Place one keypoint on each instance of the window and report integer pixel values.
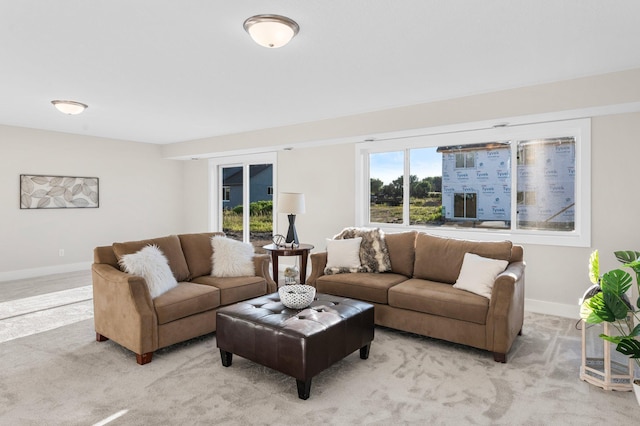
(269, 190)
(526, 198)
(526, 155)
(226, 193)
(529, 183)
(465, 160)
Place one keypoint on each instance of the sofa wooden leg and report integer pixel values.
(520, 332)
(101, 338)
(144, 358)
(498, 357)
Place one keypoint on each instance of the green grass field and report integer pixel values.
(421, 211)
(232, 221)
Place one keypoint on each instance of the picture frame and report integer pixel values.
(58, 192)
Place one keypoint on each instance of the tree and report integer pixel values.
(376, 186)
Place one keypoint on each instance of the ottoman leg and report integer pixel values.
(304, 388)
(227, 358)
(364, 351)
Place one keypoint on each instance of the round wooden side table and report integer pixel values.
(276, 251)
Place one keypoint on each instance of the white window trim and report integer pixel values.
(579, 128)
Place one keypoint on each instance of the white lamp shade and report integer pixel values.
(69, 107)
(291, 202)
(271, 31)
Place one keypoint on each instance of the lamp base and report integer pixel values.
(292, 235)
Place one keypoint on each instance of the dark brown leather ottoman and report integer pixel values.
(299, 343)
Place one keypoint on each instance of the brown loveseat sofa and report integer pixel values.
(417, 295)
(125, 312)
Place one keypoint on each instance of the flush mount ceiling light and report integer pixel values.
(69, 107)
(271, 31)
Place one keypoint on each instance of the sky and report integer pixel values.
(388, 166)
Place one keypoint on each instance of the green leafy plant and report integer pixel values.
(612, 305)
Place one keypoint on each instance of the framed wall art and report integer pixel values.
(58, 192)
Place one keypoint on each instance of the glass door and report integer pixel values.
(243, 198)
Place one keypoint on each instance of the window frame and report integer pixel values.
(580, 129)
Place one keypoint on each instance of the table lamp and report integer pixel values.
(291, 203)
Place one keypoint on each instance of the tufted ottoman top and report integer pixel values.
(300, 343)
(325, 311)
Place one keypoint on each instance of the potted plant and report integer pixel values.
(611, 304)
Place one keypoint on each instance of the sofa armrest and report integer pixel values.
(262, 263)
(123, 309)
(318, 263)
(506, 308)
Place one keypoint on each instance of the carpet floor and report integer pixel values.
(64, 377)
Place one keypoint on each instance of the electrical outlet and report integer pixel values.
(61, 252)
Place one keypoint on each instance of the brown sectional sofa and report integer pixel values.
(418, 294)
(125, 312)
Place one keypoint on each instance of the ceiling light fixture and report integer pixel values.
(271, 31)
(69, 107)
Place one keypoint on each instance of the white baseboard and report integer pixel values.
(552, 308)
(47, 270)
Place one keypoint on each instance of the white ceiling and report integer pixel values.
(163, 71)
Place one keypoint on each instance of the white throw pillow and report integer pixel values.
(151, 264)
(478, 274)
(231, 258)
(343, 253)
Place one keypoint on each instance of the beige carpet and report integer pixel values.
(63, 376)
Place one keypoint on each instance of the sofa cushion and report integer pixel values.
(197, 252)
(231, 258)
(184, 300)
(151, 264)
(439, 299)
(171, 248)
(440, 259)
(478, 274)
(367, 286)
(374, 256)
(235, 289)
(343, 255)
(401, 247)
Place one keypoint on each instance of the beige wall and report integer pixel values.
(140, 196)
(556, 276)
(196, 201)
(326, 176)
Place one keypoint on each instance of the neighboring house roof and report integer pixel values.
(473, 147)
(235, 178)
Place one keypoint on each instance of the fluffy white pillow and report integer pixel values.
(151, 264)
(478, 274)
(344, 253)
(231, 258)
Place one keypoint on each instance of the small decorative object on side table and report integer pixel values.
(301, 250)
(291, 274)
